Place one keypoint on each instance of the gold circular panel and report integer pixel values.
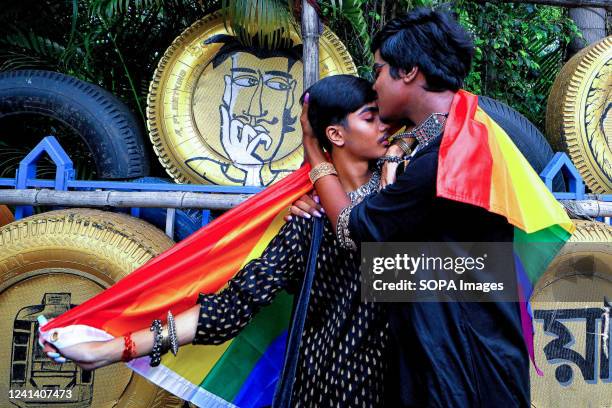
(569, 309)
(220, 113)
(579, 114)
(50, 263)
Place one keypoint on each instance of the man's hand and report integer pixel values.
(389, 169)
(306, 207)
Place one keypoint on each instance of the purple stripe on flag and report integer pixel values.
(524, 287)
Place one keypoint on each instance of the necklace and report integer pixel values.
(427, 130)
(366, 189)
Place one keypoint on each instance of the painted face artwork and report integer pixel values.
(257, 116)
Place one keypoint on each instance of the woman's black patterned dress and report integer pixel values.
(342, 357)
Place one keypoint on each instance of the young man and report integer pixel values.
(447, 354)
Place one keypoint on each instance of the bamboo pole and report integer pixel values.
(591, 207)
(587, 208)
(126, 199)
(310, 39)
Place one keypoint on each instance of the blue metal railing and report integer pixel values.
(64, 180)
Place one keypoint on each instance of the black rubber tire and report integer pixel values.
(527, 138)
(186, 222)
(110, 130)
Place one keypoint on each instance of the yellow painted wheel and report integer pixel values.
(568, 307)
(579, 114)
(49, 263)
(221, 113)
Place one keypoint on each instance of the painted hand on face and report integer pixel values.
(241, 139)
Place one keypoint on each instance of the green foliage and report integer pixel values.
(265, 23)
(352, 13)
(112, 43)
(520, 49)
(359, 21)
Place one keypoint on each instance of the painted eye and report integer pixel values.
(246, 81)
(277, 84)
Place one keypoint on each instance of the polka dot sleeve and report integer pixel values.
(223, 315)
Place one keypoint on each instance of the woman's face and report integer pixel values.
(363, 131)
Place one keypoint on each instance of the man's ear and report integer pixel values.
(409, 76)
(335, 136)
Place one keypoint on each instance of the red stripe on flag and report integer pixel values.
(464, 161)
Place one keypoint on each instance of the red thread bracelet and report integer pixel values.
(129, 348)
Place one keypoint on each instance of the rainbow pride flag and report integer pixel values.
(241, 372)
(479, 164)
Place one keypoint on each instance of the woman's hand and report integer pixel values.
(88, 356)
(306, 206)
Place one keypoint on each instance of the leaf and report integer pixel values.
(263, 23)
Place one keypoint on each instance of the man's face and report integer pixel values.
(391, 92)
(259, 94)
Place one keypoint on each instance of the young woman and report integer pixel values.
(342, 358)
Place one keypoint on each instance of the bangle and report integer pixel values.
(320, 170)
(402, 144)
(156, 328)
(129, 348)
(392, 159)
(172, 334)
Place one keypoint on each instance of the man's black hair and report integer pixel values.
(431, 40)
(332, 99)
(231, 45)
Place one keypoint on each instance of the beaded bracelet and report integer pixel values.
(392, 159)
(156, 328)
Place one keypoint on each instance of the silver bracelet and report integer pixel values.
(392, 159)
(172, 334)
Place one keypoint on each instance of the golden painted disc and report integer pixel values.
(568, 305)
(579, 114)
(49, 263)
(219, 113)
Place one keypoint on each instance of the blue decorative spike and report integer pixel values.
(26, 173)
(562, 163)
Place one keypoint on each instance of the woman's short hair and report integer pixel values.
(431, 40)
(332, 99)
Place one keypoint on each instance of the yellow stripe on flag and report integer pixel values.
(514, 181)
(194, 362)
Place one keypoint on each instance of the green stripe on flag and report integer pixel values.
(538, 249)
(233, 368)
